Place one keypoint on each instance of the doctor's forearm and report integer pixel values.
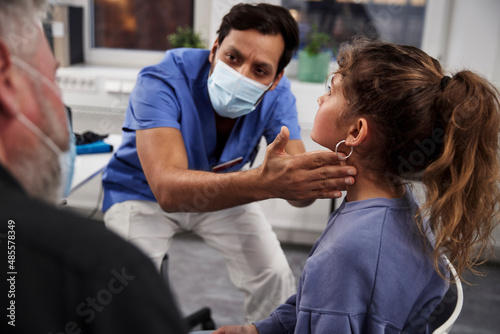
(298, 179)
(198, 191)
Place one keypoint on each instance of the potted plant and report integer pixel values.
(314, 58)
(185, 38)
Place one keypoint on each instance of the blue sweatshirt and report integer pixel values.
(367, 273)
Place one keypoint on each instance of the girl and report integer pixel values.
(378, 266)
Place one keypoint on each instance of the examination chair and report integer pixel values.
(201, 317)
(446, 313)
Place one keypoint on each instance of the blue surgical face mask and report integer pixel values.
(232, 94)
(67, 158)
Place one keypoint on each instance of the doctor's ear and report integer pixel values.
(213, 51)
(358, 132)
(277, 80)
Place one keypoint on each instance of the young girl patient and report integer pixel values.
(379, 267)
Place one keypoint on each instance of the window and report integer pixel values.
(138, 24)
(399, 21)
(134, 32)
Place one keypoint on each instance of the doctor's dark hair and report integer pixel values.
(427, 125)
(266, 19)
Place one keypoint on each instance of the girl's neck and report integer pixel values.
(368, 186)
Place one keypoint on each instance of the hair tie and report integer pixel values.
(444, 82)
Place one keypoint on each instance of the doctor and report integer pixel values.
(193, 121)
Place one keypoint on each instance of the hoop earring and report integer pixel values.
(336, 148)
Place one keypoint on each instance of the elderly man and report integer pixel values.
(64, 274)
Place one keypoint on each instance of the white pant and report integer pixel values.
(242, 235)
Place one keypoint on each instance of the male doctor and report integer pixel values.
(192, 122)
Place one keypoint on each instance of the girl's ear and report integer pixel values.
(358, 133)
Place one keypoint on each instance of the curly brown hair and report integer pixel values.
(441, 130)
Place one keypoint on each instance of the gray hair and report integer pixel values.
(19, 21)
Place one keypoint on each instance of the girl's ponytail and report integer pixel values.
(462, 195)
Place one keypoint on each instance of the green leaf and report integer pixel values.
(316, 41)
(185, 38)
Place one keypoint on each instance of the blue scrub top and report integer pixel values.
(174, 94)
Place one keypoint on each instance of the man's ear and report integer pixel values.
(213, 51)
(277, 79)
(5, 61)
(358, 132)
(8, 103)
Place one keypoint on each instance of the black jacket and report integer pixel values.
(65, 274)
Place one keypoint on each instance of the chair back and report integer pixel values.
(446, 313)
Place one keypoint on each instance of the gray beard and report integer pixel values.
(39, 173)
(38, 170)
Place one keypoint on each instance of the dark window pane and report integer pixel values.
(398, 21)
(139, 24)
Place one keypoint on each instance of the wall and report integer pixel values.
(465, 34)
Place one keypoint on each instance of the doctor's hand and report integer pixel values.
(249, 329)
(306, 176)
